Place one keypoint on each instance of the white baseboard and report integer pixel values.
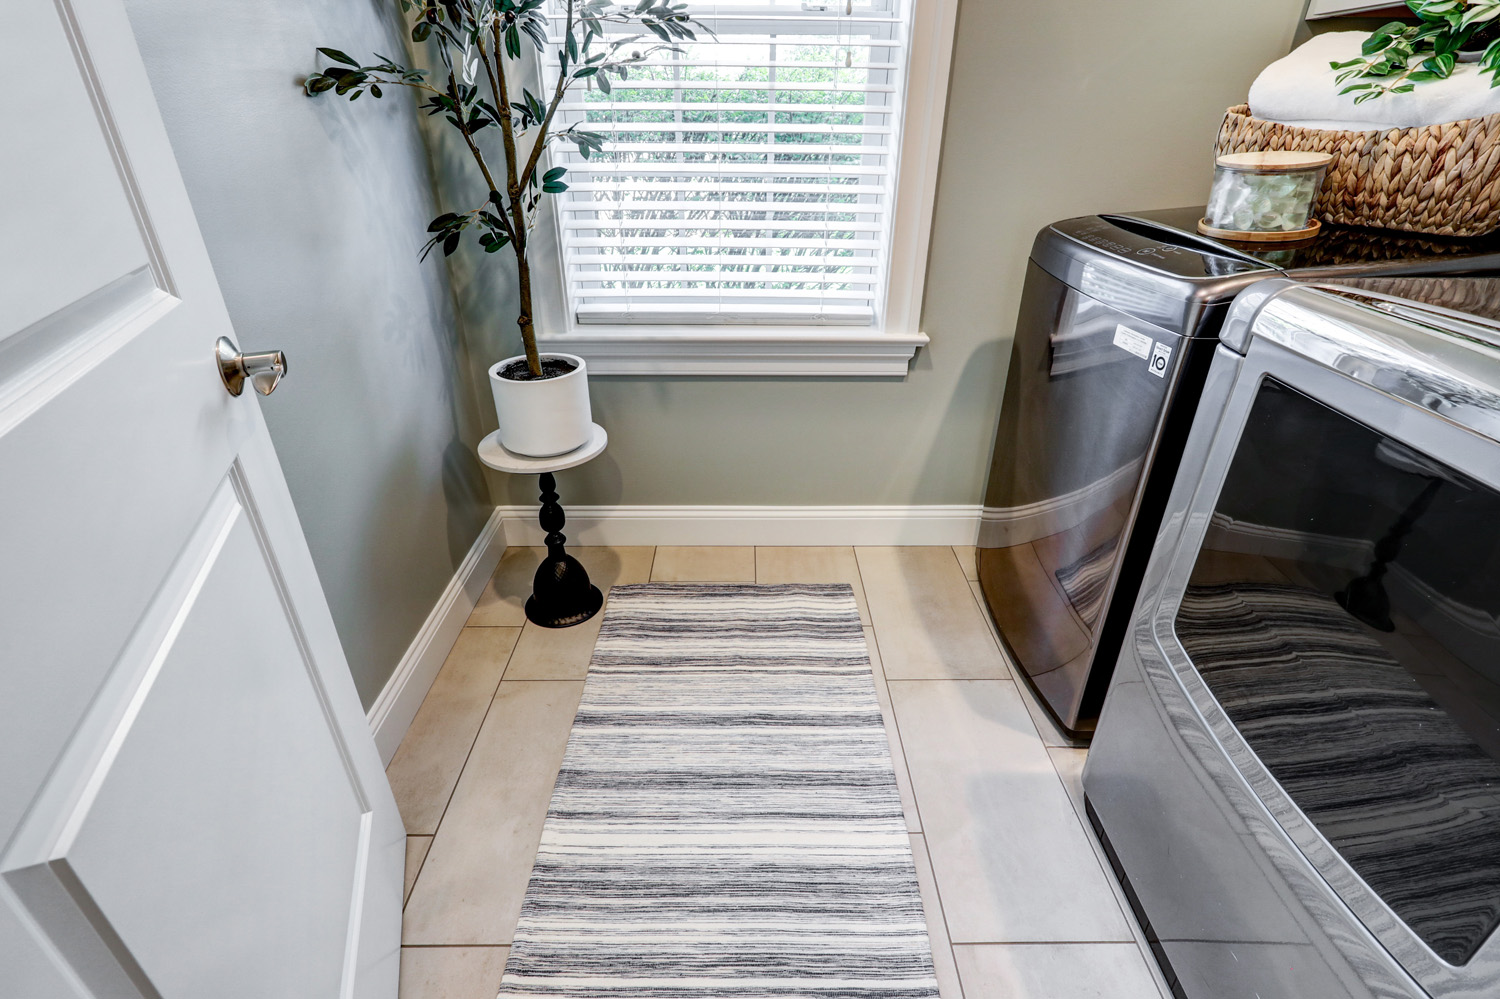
(752, 525)
(391, 714)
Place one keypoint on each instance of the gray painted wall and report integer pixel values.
(1056, 110)
(313, 211)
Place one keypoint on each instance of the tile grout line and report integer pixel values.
(1047, 943)
(884, 678)
(937, 887)
(1138, 935)
(469, 753)
(961, 569)
(1087, 830)
(900, 742)
(990, 628)
(941, 912)
(1014, 669)
(1108, 872)
(896, 720)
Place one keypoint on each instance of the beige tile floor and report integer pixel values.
(1019, 902)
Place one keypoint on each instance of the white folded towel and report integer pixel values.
(1300, 90)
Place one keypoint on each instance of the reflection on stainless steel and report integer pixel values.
(1089, 435)
(1275, 777)
(1449, 375)
(1077, 434)
(1475, 296)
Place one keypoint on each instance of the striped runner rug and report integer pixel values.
(726, 820)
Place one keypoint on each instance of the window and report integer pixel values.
(749, 195)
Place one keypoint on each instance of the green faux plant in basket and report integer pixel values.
(476, 88)
(1399, 55)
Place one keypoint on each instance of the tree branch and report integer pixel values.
(496, 72)
(508, 133)
(557, 96)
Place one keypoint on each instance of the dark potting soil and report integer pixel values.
(552, 367)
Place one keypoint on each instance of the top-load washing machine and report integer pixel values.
(1297, 771)
(1119, 318)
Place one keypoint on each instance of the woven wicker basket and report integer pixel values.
(1439, 179)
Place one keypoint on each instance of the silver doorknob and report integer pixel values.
(265, 370)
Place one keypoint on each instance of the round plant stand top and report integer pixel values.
(494, 455)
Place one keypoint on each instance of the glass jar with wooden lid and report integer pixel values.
(1265, 196)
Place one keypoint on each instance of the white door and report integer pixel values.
(191, 805)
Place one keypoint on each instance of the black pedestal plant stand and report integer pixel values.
(561, 594)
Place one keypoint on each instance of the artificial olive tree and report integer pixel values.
(479, 48)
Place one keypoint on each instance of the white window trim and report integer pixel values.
(809, 351)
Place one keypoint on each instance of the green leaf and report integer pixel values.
(318, 84)
(338, 56)
(555, 173)
(450, 243)
(554, 187)
(421, 31)
(603, 82)
(442, 222)
(538, 37)
(375, 91)
(1479, 13)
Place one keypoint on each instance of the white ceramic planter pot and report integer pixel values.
(546, 417)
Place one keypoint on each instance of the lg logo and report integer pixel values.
(1160, 355)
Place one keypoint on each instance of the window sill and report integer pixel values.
(802, 352)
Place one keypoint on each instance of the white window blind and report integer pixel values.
(748, 179)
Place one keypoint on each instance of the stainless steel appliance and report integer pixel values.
(1118, 321)
(1297, 771)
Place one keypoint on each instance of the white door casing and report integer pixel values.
(191, 803)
